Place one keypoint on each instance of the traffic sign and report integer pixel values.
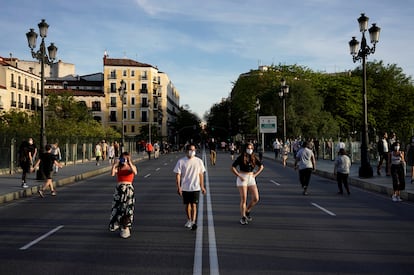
(268, 124)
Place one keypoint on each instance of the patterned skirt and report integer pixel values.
(122, 213)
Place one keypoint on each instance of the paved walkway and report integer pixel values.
(10, 185)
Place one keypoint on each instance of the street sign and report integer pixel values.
(268, 124)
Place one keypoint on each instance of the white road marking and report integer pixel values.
(272, 181)
(157, 169)
(198, 253)
(41, 238)
(147, 175)
(323, 209)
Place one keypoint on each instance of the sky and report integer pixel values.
(204, 45)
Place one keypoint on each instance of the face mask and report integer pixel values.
(191, 153)
(397, 148)
(249, 151)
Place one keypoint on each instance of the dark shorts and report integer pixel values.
(191, 197)
(46, 174)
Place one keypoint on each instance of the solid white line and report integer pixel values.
(272, 181)
(198, 251)
(323, 209)
(214, 267)
(41, 238)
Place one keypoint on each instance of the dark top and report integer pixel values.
(249, 166)
(46, 162)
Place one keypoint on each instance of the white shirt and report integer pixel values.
(304, 156)
(190, 170)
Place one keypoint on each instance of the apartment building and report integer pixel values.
(19, 88)
(145, 102)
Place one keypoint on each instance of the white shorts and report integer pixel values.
(248, 180)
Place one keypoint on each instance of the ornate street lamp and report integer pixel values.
(284, 91)
(365, 171)
(257, 109)
(122, 93)
(43, 57)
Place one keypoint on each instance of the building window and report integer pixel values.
(113, 87)
(144, 116)
(132, 100)
(132, 129)
(112, 116)
(132, 86)
(124, 73)
(96, 106)
(132, 73)
(132, 114)
(113, 101)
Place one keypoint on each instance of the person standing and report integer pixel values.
(306, 160)
(213, 155)
(341, 170)
(410, 157)
(396, 169)
(383, 150)
(122, 213)
(246, 168)
(189, 178)
(27, 152)
(45, 163)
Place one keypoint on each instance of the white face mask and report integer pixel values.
(397, 148)
(249, 151)
(191, 153)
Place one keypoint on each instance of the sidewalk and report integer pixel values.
(381, 184)
(10, 185)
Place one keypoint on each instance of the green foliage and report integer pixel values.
(321, 105)
(66, 121)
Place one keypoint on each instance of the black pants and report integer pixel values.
(342, 179)
(304, 177)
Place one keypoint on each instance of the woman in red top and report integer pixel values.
(122, 213)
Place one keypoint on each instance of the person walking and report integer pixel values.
(285, 153)
(189, 178)
(122, 213)
(111, 153)
(156, 150)
(27, 152)
(396, 170)
(57, 155)
(383, 148)
(232, 148)
(305, 161)
(98, 152)
(341, 170)
(45, 163)
(246, 168)
(149, 148)
(213, 155)
(410, 157)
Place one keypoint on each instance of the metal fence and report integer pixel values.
(71, 154)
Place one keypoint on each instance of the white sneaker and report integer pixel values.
(125, 233)
(394, 198)
(188, 224)
(398, 198)
(114, 227)
(24, 185)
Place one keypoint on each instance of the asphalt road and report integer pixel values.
(322, 233)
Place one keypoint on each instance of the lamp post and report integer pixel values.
(43, 57)
(284, 91)
(149, 121)
(257, 109)
(365, 171)
(122, 93)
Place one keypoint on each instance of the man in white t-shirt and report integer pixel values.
(189, 171)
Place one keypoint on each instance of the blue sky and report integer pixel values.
(203, 45)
